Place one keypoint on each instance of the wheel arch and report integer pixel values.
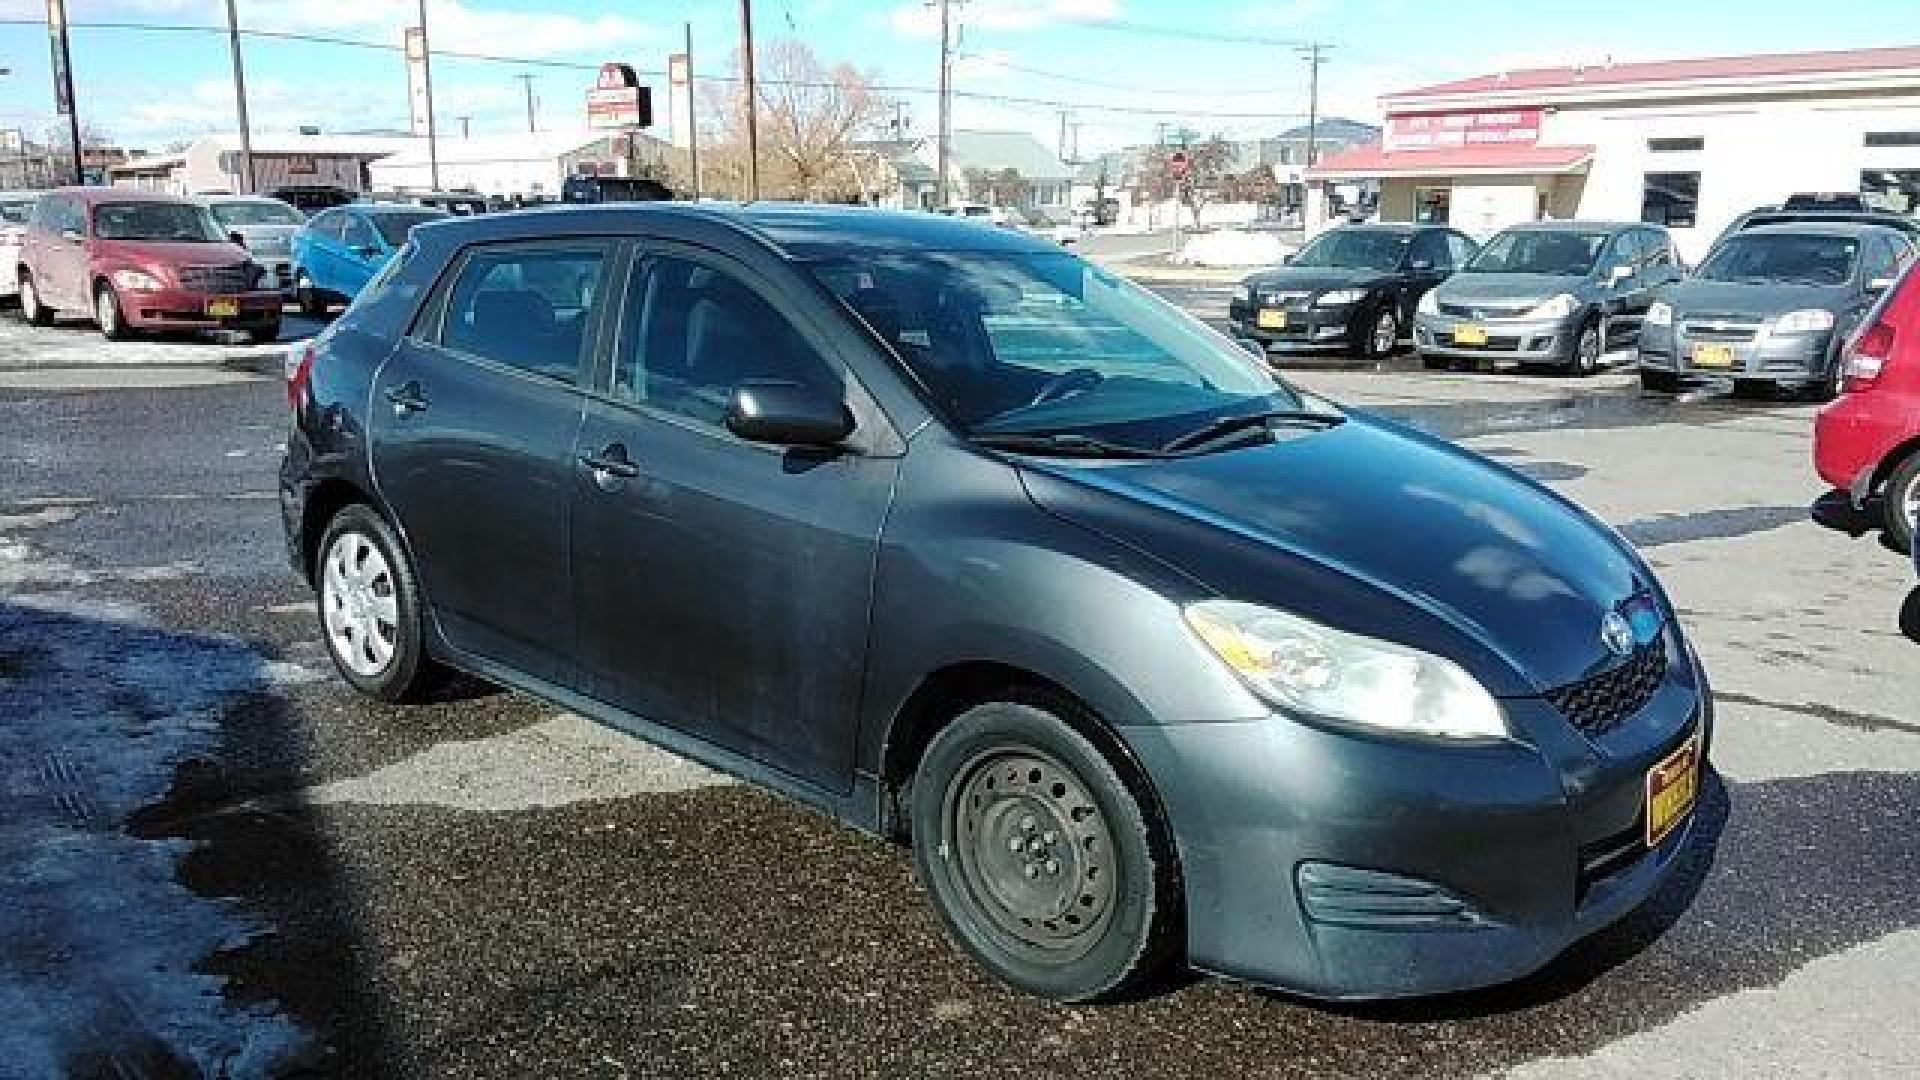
(327, 499)
(1892, 460)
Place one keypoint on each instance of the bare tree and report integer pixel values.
(998, 187)
(1209, 164)
(809, 117)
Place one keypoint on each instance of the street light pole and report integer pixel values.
(247, 176)
(426, 77)
(946, 103)
(753, 100)
(63, 82)
(527, 80)
(693, 123)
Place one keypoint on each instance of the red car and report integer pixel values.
(1867, 441)
(138, 260)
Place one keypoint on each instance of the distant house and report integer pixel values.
(893, 175)
(1049, 181)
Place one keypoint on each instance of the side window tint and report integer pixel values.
(694, 333)
(327, 225)
(527, 307)
(1431, 248)
(355, 232)
(1461, 248)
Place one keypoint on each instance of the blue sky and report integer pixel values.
(148, 88)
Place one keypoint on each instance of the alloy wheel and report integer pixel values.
(1386, 331)
(1035, 851)
(1587, 360)
(359, 605)
(106, 312)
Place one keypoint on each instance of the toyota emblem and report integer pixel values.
(1616, 633)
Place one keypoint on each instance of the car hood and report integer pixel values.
(1314, 279)
(1697, 296)
(269, 237)
(171, 253)
(1507, 290)
(1379, 530)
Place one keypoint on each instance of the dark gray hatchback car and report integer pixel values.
(963, 540)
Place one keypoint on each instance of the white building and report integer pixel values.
(527, 164)
(212, 164)
(1688, 143)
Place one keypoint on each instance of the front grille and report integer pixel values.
(1703, 330)
(236, 278)
(1611, 855)
(1597, 705)
(1483, 311)
(1494, 343)
(1289, 301)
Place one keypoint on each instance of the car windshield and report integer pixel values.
(1540, 251)
(16, 212)
(154, 221)
(242, 215)
(1798, 260)
(394, 227)
(1041, 343)
(1356, 249)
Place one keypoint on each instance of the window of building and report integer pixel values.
(695, 332)
(1431, 205)
(1676, 146)
(526, 306)
(1671, 199)
(1897, 190)
(1893, 138)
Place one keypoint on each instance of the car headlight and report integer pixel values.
(1660, 313)
(1558, 307)
(1430, 302)
(1340, 298)
(1810, 321)
(1295, 663)
(136, 281)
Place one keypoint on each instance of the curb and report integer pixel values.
(257, 359)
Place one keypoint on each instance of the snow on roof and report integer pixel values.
(1841, 62)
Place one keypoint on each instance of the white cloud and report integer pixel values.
(1284, 15)
(921, 21)
(456, 25)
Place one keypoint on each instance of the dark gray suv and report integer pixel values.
(939, 529)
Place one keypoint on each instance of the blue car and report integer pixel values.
(341, 249)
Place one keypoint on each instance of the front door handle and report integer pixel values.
(407, 398)
(610, 466)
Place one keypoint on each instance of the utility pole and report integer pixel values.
(426, 74)
(63, 82)
(465, 130)
(248, 179)
(946, 101)
(527, 81)
(753, 99)
(1063, 135)
(693, 125)
(1315, 53)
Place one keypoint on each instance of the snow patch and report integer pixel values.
(1233, 247)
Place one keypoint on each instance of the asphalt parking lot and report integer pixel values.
(221, 863)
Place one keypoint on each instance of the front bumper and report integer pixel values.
(176, 309)
(1524, 340)
(1346, 866)
(1785, 358)
(1306, 329)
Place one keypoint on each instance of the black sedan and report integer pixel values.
(1353, 289)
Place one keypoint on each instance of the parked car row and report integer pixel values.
(1772, 303)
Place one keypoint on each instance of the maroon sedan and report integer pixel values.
(139, 260)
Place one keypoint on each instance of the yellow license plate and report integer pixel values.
(1469, 335)
(1271, 320)
(222, 309)
(1672, 787)
(1712, 356)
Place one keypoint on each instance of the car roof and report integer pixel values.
(389, 208)
(1580, 226)
(93, 196)
(1854, 229)
(224, 199)
(1777, 216)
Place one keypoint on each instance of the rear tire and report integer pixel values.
(31, 309)
(1900, 502)
(1040, 859)
(371, 608)
(1659, 382)
(1434, 363)
(1587, 349)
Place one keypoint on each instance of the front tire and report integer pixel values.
(1042, 862)
(1587, 349)
(31, 309)
(1383, 334)
(370, 608)
(106, 312)
(1900, 502)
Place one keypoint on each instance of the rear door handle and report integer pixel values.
(610, 464)
(407, 398)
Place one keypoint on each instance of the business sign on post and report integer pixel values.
(417, 80)
(1434, 131)
(617, 99)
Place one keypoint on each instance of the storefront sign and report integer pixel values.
(617, 99)
(1432, 131)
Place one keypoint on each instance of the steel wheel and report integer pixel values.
(1035, 852)
(1587, 351)
(359, 605)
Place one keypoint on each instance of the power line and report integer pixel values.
(1122, 26)
(1078, 80)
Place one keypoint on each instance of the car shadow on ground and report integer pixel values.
(1835, 510)
(1910, 617)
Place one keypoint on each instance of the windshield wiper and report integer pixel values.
(1222, 426)
(1063, 444)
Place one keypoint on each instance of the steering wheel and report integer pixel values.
(1067, 384)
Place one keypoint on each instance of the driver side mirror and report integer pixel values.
(785, 413)
(1619, 274)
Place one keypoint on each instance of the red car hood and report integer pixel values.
(169, 253)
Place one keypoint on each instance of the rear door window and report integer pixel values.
(531, 307)
(1879, 261)
(1431, 248)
